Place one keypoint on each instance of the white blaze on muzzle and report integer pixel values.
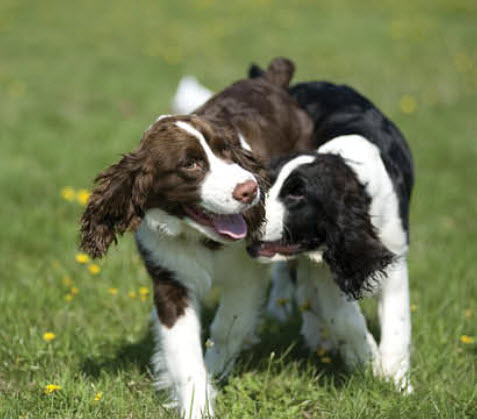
(222, 194)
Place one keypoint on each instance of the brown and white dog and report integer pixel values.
(192, 190)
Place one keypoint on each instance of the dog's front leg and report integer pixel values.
(282, 294)
(242, 297)
(178, 359)
(395, 319)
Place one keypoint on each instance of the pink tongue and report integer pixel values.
(233, 226)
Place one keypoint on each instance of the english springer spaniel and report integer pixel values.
(192, 190)
(346, 204)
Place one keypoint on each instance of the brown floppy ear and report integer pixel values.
(116, 204)
(280, 72)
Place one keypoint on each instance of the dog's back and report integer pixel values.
(262, 111)
(339, 110)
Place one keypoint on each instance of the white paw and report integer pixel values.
(217, 361)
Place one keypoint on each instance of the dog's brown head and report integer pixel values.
(183, 168)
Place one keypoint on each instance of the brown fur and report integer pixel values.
(170, 297)
(156, 174)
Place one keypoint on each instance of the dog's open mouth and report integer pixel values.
(270, 249)
(229, 226)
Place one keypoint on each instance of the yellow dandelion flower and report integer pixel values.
(468, 313)
(321, 352)
(82, 196)
(67, 281)
(466, 339)
(305, 306)
(325, 360)
(282, 301)
(132, 294)
(408, 104)
(74, 290)
(94, 269)
(82, 258)
(98, 397)
(143, 293)
(209, 343)
(68, 193)
(50, 388)
(48, 336)
(68, 297)
(113, 291)
(413, 308)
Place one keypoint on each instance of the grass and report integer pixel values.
(79, 83)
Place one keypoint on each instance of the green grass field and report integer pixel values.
(79, 83)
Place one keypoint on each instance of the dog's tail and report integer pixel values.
(190, 94)
(279, 72)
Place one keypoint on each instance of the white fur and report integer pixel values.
(190, 95)
(173, 244)
(342, 326)
(282, 294)
(221, 180)
(364, 158)
(244, 143)
(243, 284)
(274, 208)
(395, 319)
(178, 361)
(330, 307)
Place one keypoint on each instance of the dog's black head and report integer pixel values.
(316, 204)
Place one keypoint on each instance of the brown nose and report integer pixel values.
(246, 192)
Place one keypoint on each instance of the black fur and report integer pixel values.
(327, 207)
(340, 110)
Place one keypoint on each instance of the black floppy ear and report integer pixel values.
(116, 204)
(255, 71)
(354, 252)
(280, 72)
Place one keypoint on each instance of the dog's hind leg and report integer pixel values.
(395, 320)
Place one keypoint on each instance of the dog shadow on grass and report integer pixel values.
(279, 344)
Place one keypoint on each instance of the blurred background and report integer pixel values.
(80, 82)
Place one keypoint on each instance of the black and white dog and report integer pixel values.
(346, 205)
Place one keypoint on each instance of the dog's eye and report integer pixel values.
(294, 191)
(226, 148)
(295, 197)
(192, 165)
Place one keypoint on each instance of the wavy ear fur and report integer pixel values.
(246, 159)
(354, 252)
(116, 204)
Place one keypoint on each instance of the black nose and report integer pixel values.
(245, 192)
